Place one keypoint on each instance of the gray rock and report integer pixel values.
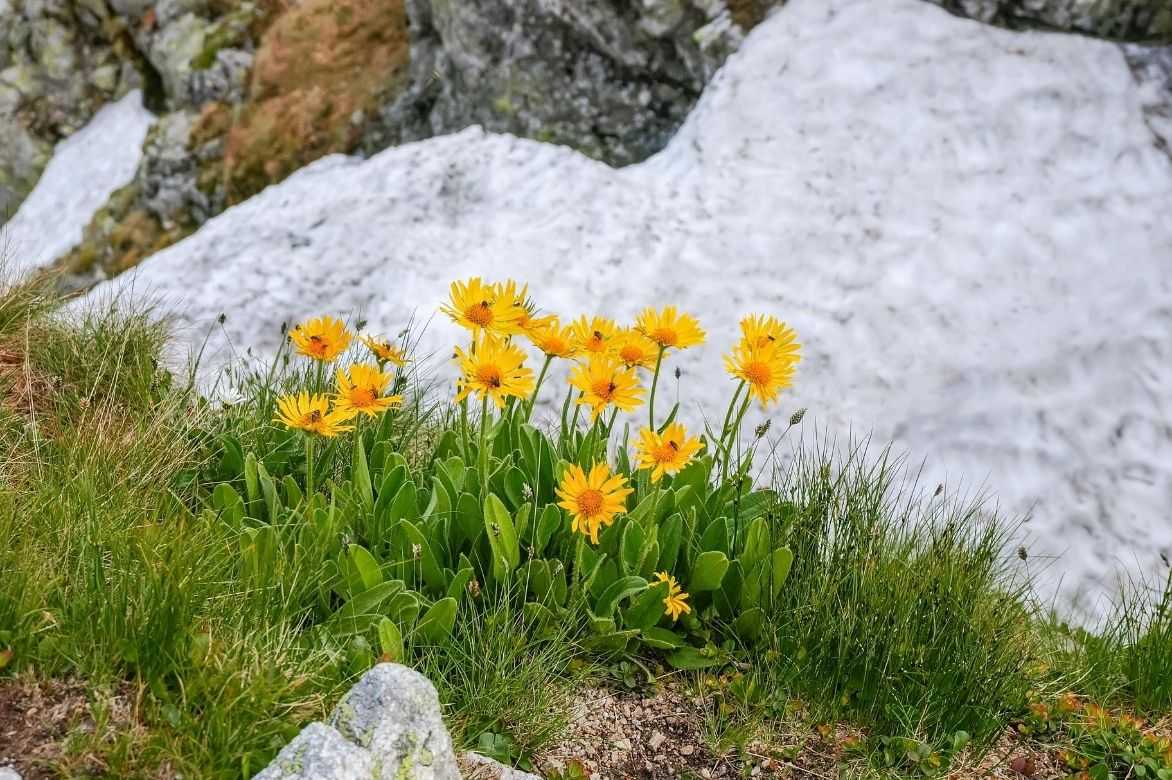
(1131, 20)
(613, 79)
(394, 713)
(8, 773)
(478, 767)
(173, 49)
(319, 753)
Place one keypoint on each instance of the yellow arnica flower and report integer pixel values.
(767, 370)
(604, 381)
(361, 391)
(667, 452)
(322, 338)
(594, 335)
(593, 500)
(676, 602)
(554, 340)
(385, 351)
(311, 413)
(482, 307)
(670, 328)
(633, 349)
(494, 369)
(761, 331)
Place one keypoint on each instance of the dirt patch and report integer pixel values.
(38, 717)
(662, 734)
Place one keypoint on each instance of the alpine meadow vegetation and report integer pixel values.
(231, 563)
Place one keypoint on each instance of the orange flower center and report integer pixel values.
(362, 396)
(589, 502)
(489, 376)
(318, 345)
(631, 354)
(666, 452)
(555, 345)
(665, 336)
(479, 314)
(604, 389)
(758, 373)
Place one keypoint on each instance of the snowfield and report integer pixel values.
(85, 170)
(970, 228)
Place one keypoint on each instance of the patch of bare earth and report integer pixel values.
(661, 734)
(37, 719)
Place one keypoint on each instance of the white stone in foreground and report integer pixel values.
(478, 767)
(8, 773)
(320, 753)
(87, 167)
(968, 227)
(394, 713)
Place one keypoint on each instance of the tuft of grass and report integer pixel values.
(901, 609)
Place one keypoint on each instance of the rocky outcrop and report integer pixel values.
(1125, 20)
(60, 61)
(611, 79)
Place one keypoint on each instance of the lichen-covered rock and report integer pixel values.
(611, 79)
(394, 713)
(320, 753)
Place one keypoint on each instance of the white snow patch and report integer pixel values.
(85, 170)
(968, 226)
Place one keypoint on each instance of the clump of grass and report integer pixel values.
(900, 609)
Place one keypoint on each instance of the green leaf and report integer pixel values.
(716, 536)
(429, 565)
(403, 607)
(630, 548)
(436, 625)
(251, 479)
(359, 570)
(648, 608)
(708, 571)
(502, 538)
(780, 564)
(692, 658)
(229, 504)
(750, 623)
(469, 521)
(670, 537)
(390, 640)
(662, 639)
(547, 525)
(358, 614)
(360, 475)
(458, 587)
(756, 544)
(616, 592)
(610, 642)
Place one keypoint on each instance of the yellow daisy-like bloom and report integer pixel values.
(670, 328)
(494, 369)
(482, 307)
(593, 500)
(321, 338)
(312, 413)
(554, 340)
(667, 452)
(633, 349)
(675, 604)
(594, 335)
(361, 391)
(760, 331)
(604, 381)
(385, 351)
(767, 370)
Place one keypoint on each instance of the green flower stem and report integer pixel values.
(482, 450)
(537, 387)
(464, 428)
(309, 467)
(732, 436)
(578, 550)
(654, 383)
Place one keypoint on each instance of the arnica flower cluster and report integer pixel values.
(616, 368)
(360, 389)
